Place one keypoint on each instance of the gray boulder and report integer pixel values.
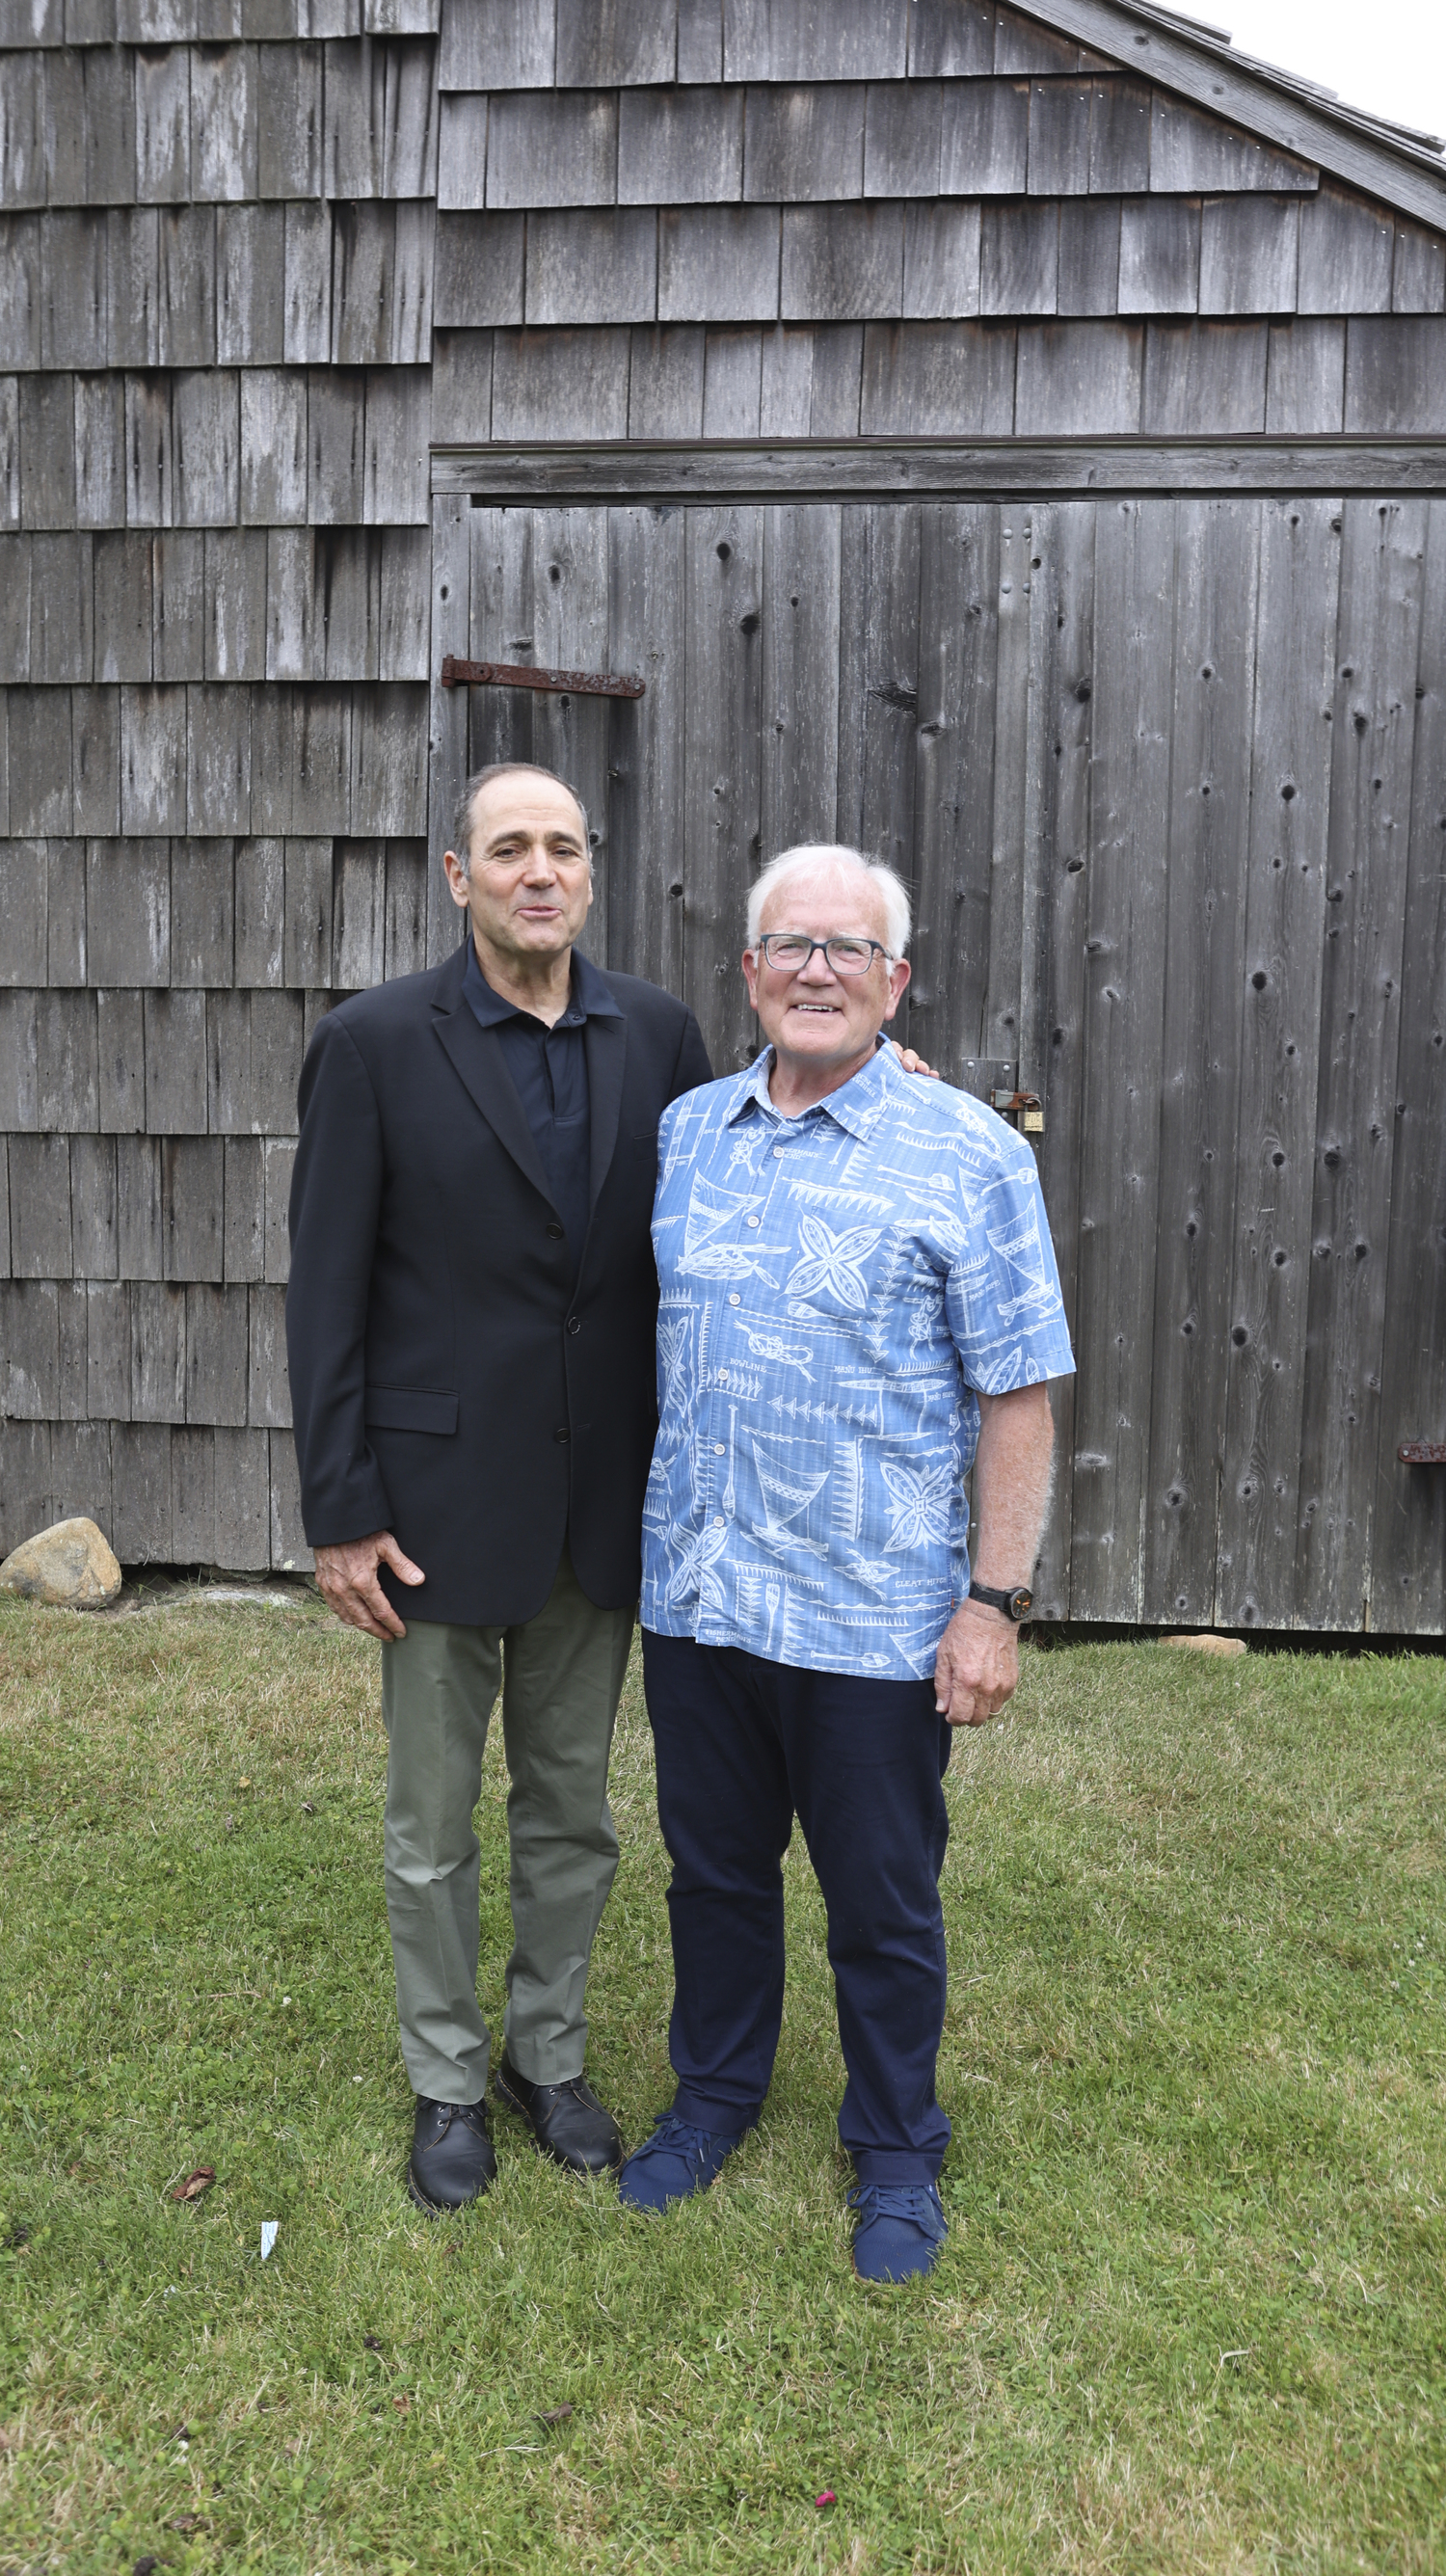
(70, 1564)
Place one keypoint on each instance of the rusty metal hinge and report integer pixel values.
(1422, 1453)
(457, 674)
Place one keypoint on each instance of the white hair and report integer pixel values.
(811, 856)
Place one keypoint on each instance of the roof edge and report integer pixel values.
(1390, 128)
(1381, 160)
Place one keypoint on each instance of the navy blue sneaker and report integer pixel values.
(674, 2163)
(899, 2230)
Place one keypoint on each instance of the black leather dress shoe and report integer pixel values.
(452, 2156)
(567, 2121)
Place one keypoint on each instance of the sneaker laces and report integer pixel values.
(916, 2202)
(683, 2138)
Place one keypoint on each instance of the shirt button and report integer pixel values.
(555, 1231)
(574, 1323)
(753, 1220)
(719, 1450)
(735, 1299)
(718, 1521)
(778, 1153)
(562, 1434)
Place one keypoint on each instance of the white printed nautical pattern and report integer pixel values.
(835, 1288)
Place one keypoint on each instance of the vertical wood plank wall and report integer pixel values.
(1166, 774)
(1186, 676)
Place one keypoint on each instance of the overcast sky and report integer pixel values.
(1389, 57)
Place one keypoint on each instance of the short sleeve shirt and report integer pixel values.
(836, 1289)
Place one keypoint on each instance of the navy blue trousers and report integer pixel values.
(742, 1746)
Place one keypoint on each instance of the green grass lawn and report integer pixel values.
(1192, 2313)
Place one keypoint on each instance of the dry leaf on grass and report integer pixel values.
(195, 2183)
(555, 2415)
(403, 2405)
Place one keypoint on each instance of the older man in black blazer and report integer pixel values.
(470, 1324)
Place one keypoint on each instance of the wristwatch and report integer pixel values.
(1015, 1605)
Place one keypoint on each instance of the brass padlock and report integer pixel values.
(1025, 1107)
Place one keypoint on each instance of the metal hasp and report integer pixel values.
(457, 674)
(1026, 1106)
(1422, 1453)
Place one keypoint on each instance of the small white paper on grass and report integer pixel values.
(268, 2236)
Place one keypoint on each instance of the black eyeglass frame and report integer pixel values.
(847, 972)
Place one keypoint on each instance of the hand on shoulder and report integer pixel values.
(912, 1062)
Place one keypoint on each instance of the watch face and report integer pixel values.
(1021, 1602)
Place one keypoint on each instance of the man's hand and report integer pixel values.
(911, 1062)
(976, 1670)
(348, 1579)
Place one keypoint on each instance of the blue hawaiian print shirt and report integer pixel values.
(833, 1288)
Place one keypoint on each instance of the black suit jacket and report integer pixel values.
(448, 1381)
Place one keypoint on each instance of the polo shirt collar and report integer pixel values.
(590, 990)
(856, 1107)
(588, 996)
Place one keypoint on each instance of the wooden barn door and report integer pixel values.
(814, 672)
(1157, 772)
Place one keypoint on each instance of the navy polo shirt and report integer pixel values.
(549, 1072)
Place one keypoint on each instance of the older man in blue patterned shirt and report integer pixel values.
(859, 1301)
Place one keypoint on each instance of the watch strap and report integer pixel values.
(1015, 1604)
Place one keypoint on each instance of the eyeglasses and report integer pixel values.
(789, 952)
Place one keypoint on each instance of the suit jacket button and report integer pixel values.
(555, 1232)
(574, 1323)
(562, 1435)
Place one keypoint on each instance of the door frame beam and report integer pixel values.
(777, 470)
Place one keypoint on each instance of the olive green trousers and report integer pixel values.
(561, 1677)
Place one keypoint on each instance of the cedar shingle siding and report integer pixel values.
(902, 360)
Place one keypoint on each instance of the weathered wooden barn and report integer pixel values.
(1013, 438)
